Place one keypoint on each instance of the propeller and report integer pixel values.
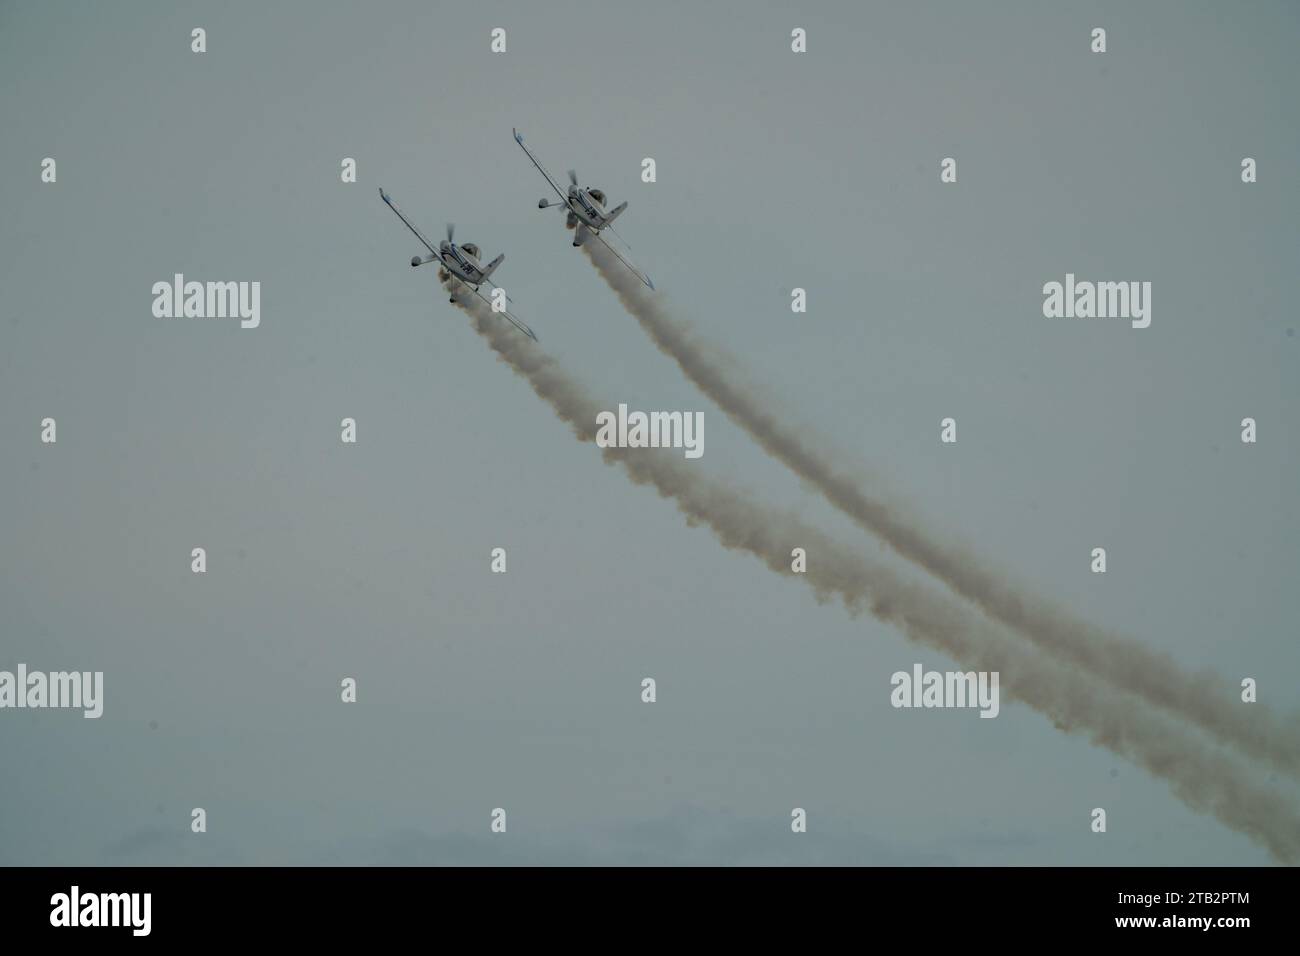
(573, 177)
(451, 230)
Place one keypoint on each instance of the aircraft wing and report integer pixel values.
(564, 197)
(513, 321)
(409, 225)
(623, 259)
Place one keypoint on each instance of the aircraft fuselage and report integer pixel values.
(587, 208)
(460, 263)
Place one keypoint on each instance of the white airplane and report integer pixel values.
(460, 260)
(586, 206)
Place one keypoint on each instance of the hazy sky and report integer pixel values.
(775, 170)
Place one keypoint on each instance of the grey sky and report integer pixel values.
(775, 170)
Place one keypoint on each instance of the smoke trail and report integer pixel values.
(1156, 677)
(1207, 781)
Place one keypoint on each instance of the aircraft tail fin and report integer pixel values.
(491, 266)
(615, 212)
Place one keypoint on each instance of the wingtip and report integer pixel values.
(519, 138)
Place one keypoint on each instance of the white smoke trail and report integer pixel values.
(1156, 677)
(1205, 780)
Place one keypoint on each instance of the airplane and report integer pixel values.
(586, 208)
(462, 261)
